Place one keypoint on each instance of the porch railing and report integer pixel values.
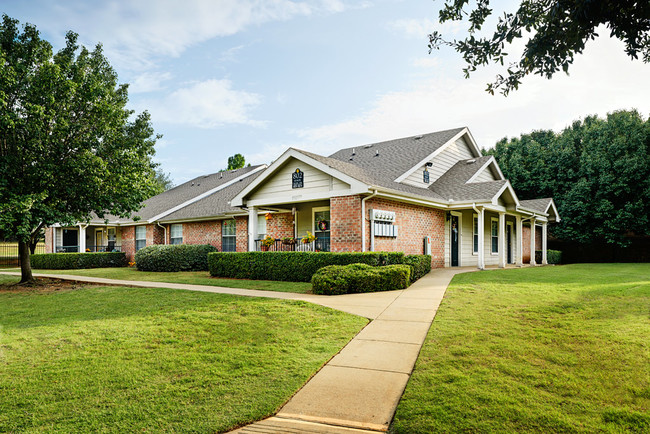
(89, 249)
(319, 245)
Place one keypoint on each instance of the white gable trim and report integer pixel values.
(206, 194)
(484, 167)
(506, 186)
(551, 205)
(463, 132)
(356, 185)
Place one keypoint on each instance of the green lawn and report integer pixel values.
(552, 349)
(115, 359)
(192, 277)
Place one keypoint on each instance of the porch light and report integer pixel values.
(268, 216)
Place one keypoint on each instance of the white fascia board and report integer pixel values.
(389, 194)
(206, 194)
(493, 161)
(552, 206)
(294, 153)
(508, 186)
(431, 156)
(271, 201)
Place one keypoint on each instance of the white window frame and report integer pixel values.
(475, 242)
(171, 233)
(261, 226)
(143, 227)
(494, 221)
(233, 236)
(313, 218)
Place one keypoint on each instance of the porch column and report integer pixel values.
(532, 241)
(502, 240)
(544, 239)
(252, 228)
(481, 239)
(82, 238)
(519, 243)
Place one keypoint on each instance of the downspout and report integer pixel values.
(165, 233)
(363, 222)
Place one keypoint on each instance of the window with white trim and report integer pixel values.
(475, 235)
(495, 235)
(229, 236)
(176, 234)
(261, 226)
(140, 237)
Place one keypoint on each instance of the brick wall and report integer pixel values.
(128, 242)
(242, 233)
(208, 232)
(345, 224)
(280, 225)
(49, 240)
(415, 222)
(526, 242)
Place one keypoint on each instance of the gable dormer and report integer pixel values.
(461, 147)
(490, 171)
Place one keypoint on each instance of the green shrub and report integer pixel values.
(554, 256)
(289, 266)
(174, 257)
(73, 261)
(420, 265)
(354, 278)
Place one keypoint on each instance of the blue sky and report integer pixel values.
(257, 77)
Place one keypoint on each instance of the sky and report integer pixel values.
(256, 77)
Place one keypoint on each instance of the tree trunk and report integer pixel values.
(25, 263)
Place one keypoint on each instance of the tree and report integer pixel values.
(556, 30)
(68, 148)
(597, 171)
(163, 181)
(237, 161)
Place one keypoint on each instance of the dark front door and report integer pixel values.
(70, 243)
(454, 241)
(509, 243)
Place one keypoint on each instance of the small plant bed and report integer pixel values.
(547, 349)
(189, 277)
(116, 359)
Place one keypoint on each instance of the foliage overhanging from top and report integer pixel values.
(597, 171)
(557, 30)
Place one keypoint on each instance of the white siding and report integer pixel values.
(315, 181)
(304, 216)
(459, 150)
(486, 175)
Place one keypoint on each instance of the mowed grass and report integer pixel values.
(552, 349)
(190, 277)
(115, 359)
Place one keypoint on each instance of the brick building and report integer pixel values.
(433, 193)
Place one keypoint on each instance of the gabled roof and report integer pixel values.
(544, 206)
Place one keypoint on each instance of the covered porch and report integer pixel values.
(89, 238)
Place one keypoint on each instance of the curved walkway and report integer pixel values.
(359, 388)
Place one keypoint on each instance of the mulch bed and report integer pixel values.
(45, 284)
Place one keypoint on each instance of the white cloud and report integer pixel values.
(601, 81)
(421, 28)
(206, 104)
(148, 82)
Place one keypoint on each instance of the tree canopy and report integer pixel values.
(556, 30)
(597, 171)
(69, 147)
(163, 181)
(237, 161)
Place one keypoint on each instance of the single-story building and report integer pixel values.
(432, 193)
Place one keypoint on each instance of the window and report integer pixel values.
(228, 236)
(176, 234)
(495, 236)
(140, 237)
(261, 226)
(475, 235)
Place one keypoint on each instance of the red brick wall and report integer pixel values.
(280, 225)
(526, 242)
(49, 240)
(128, 242)
(415, 222)
(208, 232)
(242, 233)
(345, 224)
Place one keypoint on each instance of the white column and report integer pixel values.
(82, 238)
(502, 240)
(532, 241)
(481, 239)
(519, 244)
(544, 239)
(252, 228)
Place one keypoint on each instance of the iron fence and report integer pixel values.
(318, 245)
(9, 253)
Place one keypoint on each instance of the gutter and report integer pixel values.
(363, 222)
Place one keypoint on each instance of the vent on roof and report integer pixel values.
(354, 151)
(417, 137)
(472, 161)
(351, 159)
(377, 153)
(220, 175)
(368, 146)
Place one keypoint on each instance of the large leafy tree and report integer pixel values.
(556, 30)
(68, 145)
(597, 170)
(236, 161)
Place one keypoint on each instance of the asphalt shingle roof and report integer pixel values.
(453, 183)
(538, 205)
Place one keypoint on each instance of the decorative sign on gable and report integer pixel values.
(425, 176)
(297, 179)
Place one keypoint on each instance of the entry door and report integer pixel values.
(454, 240)
(322, 228)
(99, 240)
(509, 243)
(70, 242)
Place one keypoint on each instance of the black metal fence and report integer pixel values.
(9, 253)
(318, 245)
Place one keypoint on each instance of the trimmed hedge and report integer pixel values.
(420, 265)
(174, 257)
(289, 266)
(354, 278)
(552, 256)
(72, 261)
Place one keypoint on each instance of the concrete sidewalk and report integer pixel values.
(358, 389)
